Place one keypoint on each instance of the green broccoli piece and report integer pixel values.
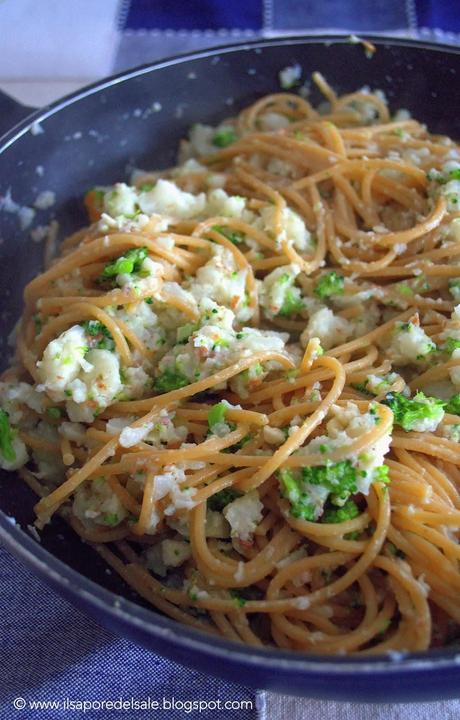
(349, 511)
(100, 337)
(292, 489)
(6, 437)
(224, 137)
(381, 474)
(54, 413)
(329, 284)
(410, 414)
(128, 263)
(339, 478)
(451, 344)
(233, 235)
(170, 379)
(292, 303)
(216, 415)
(222, 498)
(453, 405)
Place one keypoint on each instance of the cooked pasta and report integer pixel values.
(241, 382)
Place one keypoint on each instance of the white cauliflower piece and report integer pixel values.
(62, 361)
(120, 200)
(409, 344)
(276, 285)
(243, 515)
(95, 501)
(166, 198)
(293, 227)
(332, 330)
(175, 552)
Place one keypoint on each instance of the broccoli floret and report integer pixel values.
(54, 413)
(99, 337)
(222, 498)
(233, 235)
(224, 137)
(292, 303)
(453, 405)
(329, 284)
(419, 413)
(336, 515)
(170, 379)
(451, 344)
(6, 437)
(381, 474)
(292, 491)
(128, 263)
(216, 415)
(111, 519)
(339, 478)
(454, 288)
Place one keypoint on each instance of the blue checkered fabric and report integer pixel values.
(50, 651)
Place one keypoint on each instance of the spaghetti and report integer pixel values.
(241, 382)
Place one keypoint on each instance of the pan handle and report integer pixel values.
(11, 112)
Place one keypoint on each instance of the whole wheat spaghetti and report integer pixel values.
(241, 382)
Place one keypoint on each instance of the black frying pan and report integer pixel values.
(96, 136)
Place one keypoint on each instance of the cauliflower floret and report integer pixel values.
(62, 361)
(379, 384)
(273, 121)
(201, 139)
(143, 321)
(144, 281)
(14, 395)
(175, 552)
(219, 203)
(136, 383)
(103, 378)
(166, 198)
(331, 329)
(121, 200)
(95, 501)
(277, 288)
(451, 192)
(453, 230)
(244, 514)
(293, 230)
(220, 280)
(454, 372)
(410, 344)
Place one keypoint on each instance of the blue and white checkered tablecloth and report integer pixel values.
(50, 651)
